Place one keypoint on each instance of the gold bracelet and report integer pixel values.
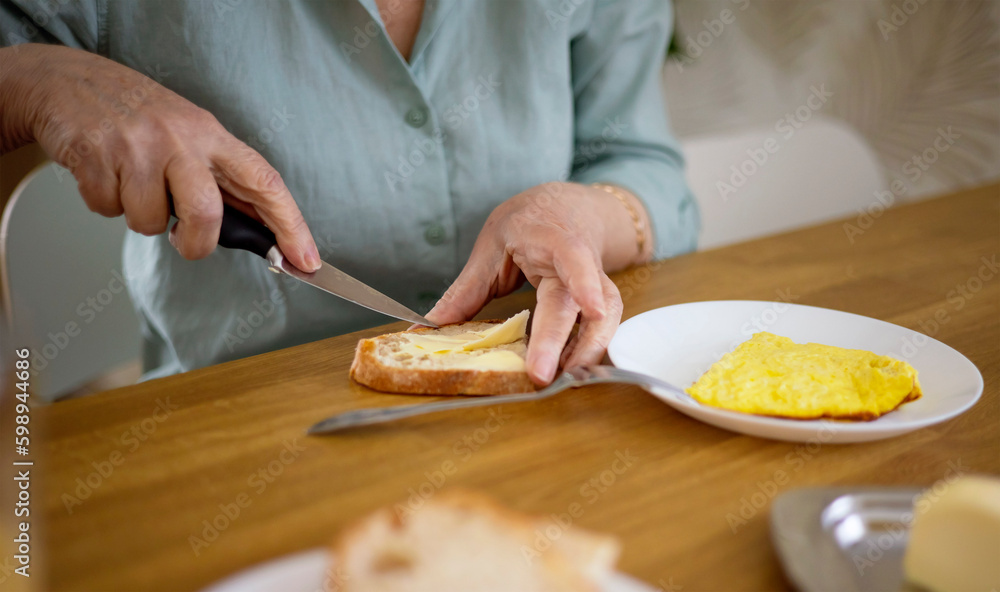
(622, 196)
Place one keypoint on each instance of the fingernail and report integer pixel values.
(545, 368)
(313, 260)
(594, 307)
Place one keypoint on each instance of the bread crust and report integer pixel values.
(368, 370)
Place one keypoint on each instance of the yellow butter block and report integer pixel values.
(954, 542)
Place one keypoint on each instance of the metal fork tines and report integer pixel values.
(572, 378)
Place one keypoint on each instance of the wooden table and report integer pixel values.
(207, 440)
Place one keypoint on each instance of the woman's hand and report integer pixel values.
(129, 140)
(560, 237)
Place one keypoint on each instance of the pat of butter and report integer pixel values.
(955, 540)
(509, 331)
(438, 344)
(502, 360)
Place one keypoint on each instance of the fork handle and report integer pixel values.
(370, 416)
(572, 378)
(614, 374)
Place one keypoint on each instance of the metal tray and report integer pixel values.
(844, 539)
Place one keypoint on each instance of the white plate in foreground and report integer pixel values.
(307, 571)
(679, 343)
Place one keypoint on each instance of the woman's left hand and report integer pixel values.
(560, 237)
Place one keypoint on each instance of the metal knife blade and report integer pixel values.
(330, 279)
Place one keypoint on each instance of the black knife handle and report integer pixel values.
(240, 231)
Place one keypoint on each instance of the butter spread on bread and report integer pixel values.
(472, 358)
(460, 346)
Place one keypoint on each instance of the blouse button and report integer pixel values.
(434, 235)
(416, 117)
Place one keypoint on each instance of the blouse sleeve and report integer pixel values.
(73, 24)
(622, 133)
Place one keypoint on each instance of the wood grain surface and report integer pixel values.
(187, 449)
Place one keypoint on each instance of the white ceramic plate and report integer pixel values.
(678, 344)
(307, 571)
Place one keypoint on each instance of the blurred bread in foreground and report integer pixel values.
(463, 541)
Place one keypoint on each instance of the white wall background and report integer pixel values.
(899, 71)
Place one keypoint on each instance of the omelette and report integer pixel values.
(772, 375)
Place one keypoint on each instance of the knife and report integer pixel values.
(240, 231)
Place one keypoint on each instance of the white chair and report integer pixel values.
(63, 291)
(823, 171)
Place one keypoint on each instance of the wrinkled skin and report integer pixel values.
(128, 140)
(555, 236)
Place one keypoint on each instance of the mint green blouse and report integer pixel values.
(394, 165)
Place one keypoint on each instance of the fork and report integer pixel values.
(574, 377)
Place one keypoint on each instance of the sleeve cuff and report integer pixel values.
(673, 212)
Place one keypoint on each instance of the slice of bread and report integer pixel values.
(464, 541)
(406, 362)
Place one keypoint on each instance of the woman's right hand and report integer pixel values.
(128, 141)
